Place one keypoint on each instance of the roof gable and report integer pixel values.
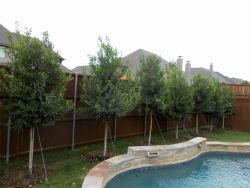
(133, 60)
(4, 41)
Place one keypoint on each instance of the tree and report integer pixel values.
(203, 95)
(34, 84)
(229, 103)
(218, 99)
(245, 82)
(224, 103)
(177, 101)
(151, 81)
(109, 91)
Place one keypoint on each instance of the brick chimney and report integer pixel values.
(179, 62)
(188, 72)
(211, 68)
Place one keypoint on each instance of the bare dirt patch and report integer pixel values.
(19, 177)
(97, 156)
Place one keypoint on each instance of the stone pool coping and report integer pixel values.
(146, 156)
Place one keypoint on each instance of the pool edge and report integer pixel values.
(146, 156)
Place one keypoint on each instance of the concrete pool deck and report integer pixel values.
(146, 156)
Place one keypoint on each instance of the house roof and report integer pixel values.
(65, 69)
(5, 42)
(79, 70)
(3, 36)
(215, 75)
(132, 60)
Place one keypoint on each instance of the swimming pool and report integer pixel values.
(157, 158)
(213, 169)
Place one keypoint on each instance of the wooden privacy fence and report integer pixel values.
(90, 130)
(86, 131)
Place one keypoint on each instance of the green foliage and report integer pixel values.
(203, 94)
(109, 91)
(218, 99)
(34, 82)
(151, 81)
(177, 101)
(223, 99)
(245, 82)
(229, 101)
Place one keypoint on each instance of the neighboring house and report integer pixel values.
(4, 43)
(132, 60)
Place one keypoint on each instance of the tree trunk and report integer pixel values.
(105, 138)
(150, 128)
(177, 131)
(211, 126)
(197, 120)
(145, 122)
(8, 142)
(183, 125)
(31, 150)
(115, 126)
(223, 122)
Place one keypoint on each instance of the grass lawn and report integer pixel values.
(70, 167)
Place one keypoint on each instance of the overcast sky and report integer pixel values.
(202, 31)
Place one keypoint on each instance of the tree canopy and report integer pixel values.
(229, 101)
(177, 100)
(203, 96)
(150, 80)
(34, 84)
(218, 99)
(223, 102)
(109, 91)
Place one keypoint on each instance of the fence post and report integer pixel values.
(74, 113)
(8, 142)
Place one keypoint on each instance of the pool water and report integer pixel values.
(209, 170)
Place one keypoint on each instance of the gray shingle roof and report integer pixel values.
(4, 41)
(79, 70)
(215, 75)
(65, 69)
(132, 60)
(3, 36)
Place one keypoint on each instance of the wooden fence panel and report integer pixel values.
(241, 117)
(91, 131)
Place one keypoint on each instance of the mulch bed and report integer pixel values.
(97, 156)
(19, 177)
